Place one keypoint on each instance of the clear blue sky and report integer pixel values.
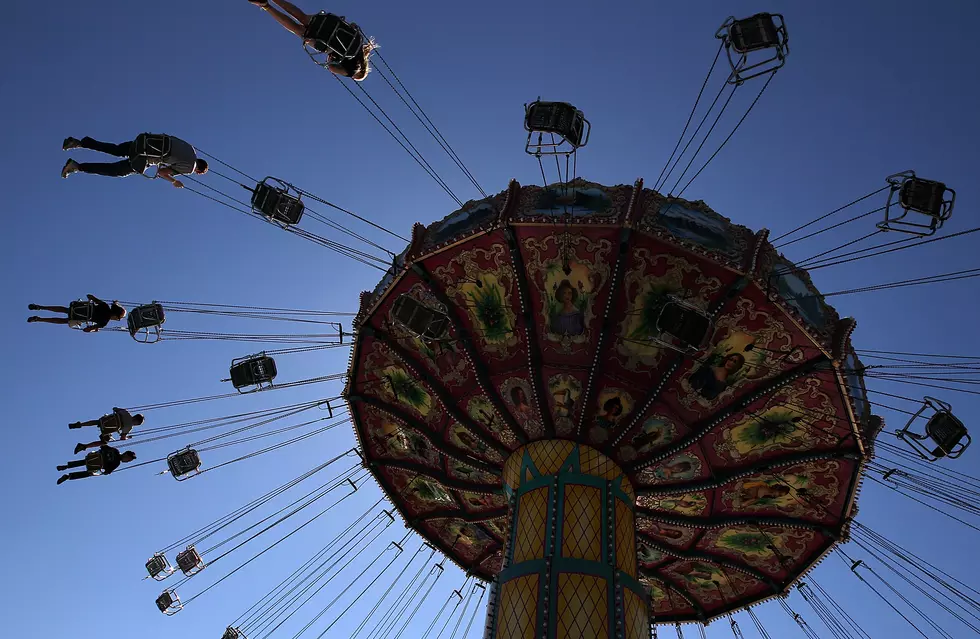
(869, 89)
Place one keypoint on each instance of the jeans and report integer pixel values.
(122, 168)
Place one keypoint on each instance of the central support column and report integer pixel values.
(570, 564)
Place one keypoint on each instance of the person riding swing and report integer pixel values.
(89, 316)
(98, 462)
(119, 421)
(353, 63)
(171, 155)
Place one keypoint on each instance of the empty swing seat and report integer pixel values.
(189, 561)
(254, 370)
(558, 118)
(331, 34)
(930, 200)
(923, 196)
(169, 603)
(944, 429)
(420, 320)
(949, 434)
(158, 567)
(687, 325)
(754, 33)
(184, 463)
(144, 322)
(748, 35)
(277, 203)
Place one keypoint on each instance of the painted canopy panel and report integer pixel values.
(546, 309)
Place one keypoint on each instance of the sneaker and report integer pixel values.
(70, 143)
(62, 468)
(71, 166)
(33, 307)
(79, 448)
(33, 318)
(63, 479)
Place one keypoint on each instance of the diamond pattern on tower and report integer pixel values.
(532, 515)
(512, 469)
(549, 455)
(636, 624)
(518, 608)
(627, 487)
(595, 463)
(625, 540)
(583, 607)
(581, 532)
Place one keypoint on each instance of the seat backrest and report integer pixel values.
(945, 429)
(922, 196)
(263, 369)
(183, 462)
(276, 204)
(754, 33)
(146, 316)
(164, 601)
(109, 423)
(550, 117)
(269, 368)
(685, 324)
(437, 327)
(241, 374)
(333, 34)
(188, 559)
(152, 145)
(289, 210)
(264, 197)
(156, 565)
(82, 311)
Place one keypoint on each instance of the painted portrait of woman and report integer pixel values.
(569, 318)
(711, 379)
(522, 409)
(610, 412)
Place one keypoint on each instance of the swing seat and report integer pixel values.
(255, 370)
(158, 567)
(169, 603)
(420, 320)
(685, 326)
(277, 201)
(332, 35)
(949, 433)
(233, 633)
(930, 201)
(923, 196)
(151, 146)
(557, 118)
(756, 33)
(145, 322)
(80, 313)
(944, 430)
(109, 424)
(184, 464)
(189, 561)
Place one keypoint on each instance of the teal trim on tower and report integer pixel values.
(553, 562)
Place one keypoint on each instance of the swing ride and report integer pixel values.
(614, 408)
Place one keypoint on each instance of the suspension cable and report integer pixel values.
(730, 135)
(418, 159)
(690, 116)
(429, 126)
